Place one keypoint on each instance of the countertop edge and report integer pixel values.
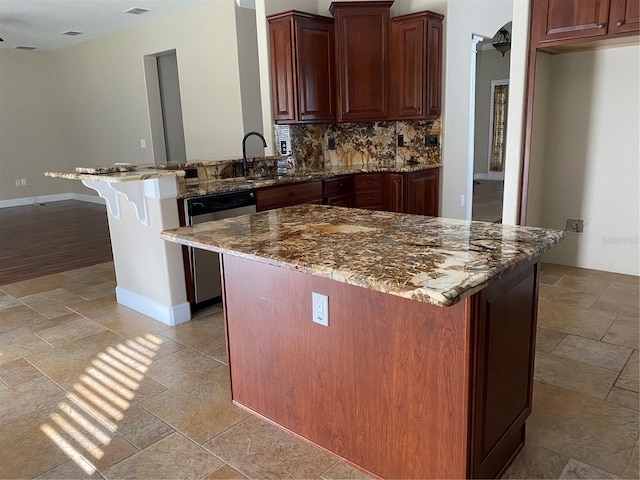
(118, 177)
(441, 299)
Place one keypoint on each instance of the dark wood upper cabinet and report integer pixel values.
(562, 22)
(434, 65)
(416, 60)
(625, 16)
(362, 58)
(568, 19)
(302, 67)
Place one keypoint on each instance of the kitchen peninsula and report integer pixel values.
(143, 200)
(425, 368)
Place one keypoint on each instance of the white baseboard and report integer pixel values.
(82, 197)
(169, 315)
(57, 197)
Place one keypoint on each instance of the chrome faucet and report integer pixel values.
(245, 163)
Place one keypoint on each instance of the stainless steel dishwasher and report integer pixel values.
(205, 266)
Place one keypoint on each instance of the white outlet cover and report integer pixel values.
(320, 308)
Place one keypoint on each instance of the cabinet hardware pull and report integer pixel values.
(339, 185)
(417, 109)
(620, 23)
(369, 198)
(601, 25)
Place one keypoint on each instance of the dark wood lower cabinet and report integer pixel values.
(369, 191)
(339, 191)
(393, 192)
(287, 195)
(422, 192)
(415, 193)
(504, 332)
(400, 388)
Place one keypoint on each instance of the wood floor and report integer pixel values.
(51, 238)
(487, 200)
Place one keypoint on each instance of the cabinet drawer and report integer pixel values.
(369, 199)
(340, 200)
(288, 195)
(369, 181)
(338, 185)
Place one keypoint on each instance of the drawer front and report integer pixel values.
(369, 199)
(288, 195)
(341, 200)
(338, 185)
(369, 181)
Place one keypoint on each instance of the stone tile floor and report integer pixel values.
(91, 389)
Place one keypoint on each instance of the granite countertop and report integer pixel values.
(213, 186)
(125, 173)
(429, 259)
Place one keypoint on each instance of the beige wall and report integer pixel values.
(87, 105)
(30, 125)
(491, 66)
(591, 149)
(535, 202)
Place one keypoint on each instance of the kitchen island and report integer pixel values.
(425, 368)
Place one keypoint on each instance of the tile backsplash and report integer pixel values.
(368, 144)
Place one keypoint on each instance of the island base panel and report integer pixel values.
(385, 386)
(504, 326)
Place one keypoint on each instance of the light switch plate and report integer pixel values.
(320, 304)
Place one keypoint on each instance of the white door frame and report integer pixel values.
(475, 39)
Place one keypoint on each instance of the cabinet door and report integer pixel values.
(416, 66)
(283, 84)
(315, 61)
(422, 192)
(393, 192)
(434, 66)
(502, 368)
(625, 16)
(362, 37)
(570, 19)
(408, 66)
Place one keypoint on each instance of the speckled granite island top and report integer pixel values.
(429, 259)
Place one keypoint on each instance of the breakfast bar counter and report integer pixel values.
(423, 367)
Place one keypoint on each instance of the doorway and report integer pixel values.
(165, 107)
(489, 136)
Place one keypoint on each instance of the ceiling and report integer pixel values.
(40, 23)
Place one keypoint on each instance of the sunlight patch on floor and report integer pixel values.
(80, 427)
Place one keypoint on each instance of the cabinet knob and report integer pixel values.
(417, 109)
(339, 185)
(620, 23)
(602, 25)
(369, 197)
(397, 180)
